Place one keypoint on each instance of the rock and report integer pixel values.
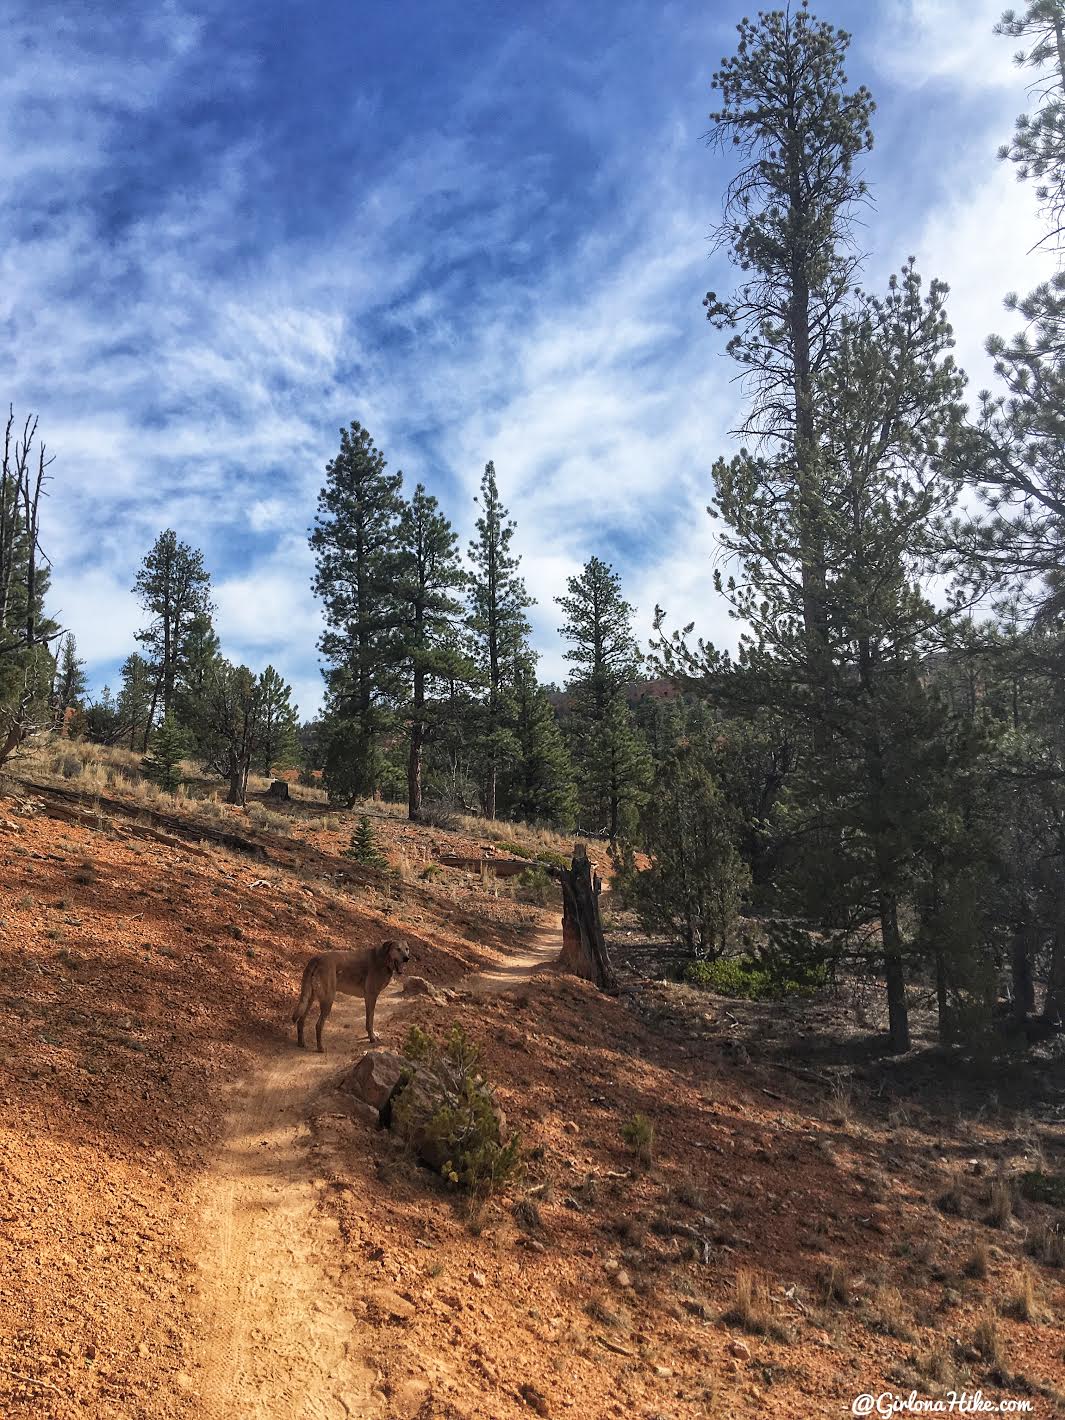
(622, 1278)
(478, 1279)
(418, 986)
(373, 1078)
(391, 1305)
(408, 1399)
(739, 1349)
(663, 1371)
(533, 1399)
(570, 1127)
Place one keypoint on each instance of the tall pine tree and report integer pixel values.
(498, 602)
(355, 545)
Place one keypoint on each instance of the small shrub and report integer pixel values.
(838, 1285)
(511, 846)
(436, 816)
(430, 872)
(1020, 1303)
(527, 1215)
(987, 1341)
(364, 846)
(1047, 1245)
(1042, 1187)
(552, 859)
(639, 1134)
(751, 1307)
(537, 884)
(976, 1264)
(749, 980)
(1000, 1203)
(889, 1316)
(450, 1118)
(71, 766)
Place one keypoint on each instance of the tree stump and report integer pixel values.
(278, 790)
(583, 945)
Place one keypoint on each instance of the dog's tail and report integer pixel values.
(306, 989)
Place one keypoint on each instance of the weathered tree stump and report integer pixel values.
(278, 790)
(583, 944)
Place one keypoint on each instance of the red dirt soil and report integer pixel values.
(196, 1223)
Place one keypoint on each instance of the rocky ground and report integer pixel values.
(188, 1206)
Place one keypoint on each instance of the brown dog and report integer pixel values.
(364, 973)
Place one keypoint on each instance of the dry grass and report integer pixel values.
(1021, 1303)
(1000, 1203)
(1047, 1245)
(838, 1284)
(988, 1342)
(976, 1264)
(889, 1316)
(751, 1307)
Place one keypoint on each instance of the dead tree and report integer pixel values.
(583, 945)
(25, 665)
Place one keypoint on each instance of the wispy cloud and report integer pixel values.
(514, 274)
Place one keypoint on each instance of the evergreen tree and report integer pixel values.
(135, 700)
(694, 886)
(355, 543)
(279, 719)
(538, 786)
(609, 753)
(101, 719)
(70, 685)
(231, 725)
(169, 746)
(174, 589)
(498, 602)
(785, 111)
(1038, 146)
(428, 575)
(364, 847)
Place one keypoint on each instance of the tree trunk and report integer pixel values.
(236, 785)
(490, 793)
(1023, 980)
(584, 950)
(946, 1020)
(898, 1015)
(414, 771)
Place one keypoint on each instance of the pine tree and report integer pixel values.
(785, 111)
(101, 719)
(428, 575)
(231, 725)
(694, 886)
(135, 700)
(608, 751)
(70, 684)
(174, 589)
(364, 846)
(539, 785)
(1038, 146)
(355, 544)
(279, 720)
(498, 602)
(169, 746)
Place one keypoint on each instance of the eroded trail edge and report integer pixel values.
(278, 1334)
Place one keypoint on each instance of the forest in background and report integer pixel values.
(875, 781)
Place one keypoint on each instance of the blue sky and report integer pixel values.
(479, 228)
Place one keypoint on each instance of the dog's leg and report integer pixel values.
(371, 1002)
(323, 1016)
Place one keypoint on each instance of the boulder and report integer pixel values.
(418, 986)
(373, 1078)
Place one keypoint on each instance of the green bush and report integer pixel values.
(552, 859)
(639, 1134)
(516, 850)
(444, 1108)
(537, 883)
(754, 981)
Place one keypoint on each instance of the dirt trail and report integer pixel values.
(279, 1339)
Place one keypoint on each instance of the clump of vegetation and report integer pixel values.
(751, 1307)
(1042, 1187)
(552, 859)
(976, 1264)
(838, 1285)
(536, 883)
(437, 816)
(753, 981)
(639, 1133)
(1021, 1302)
(1000, 1203)
(1047, 1245)
(444, 1108)
(169, 746)
(513, 847)
(364, 846)
(987, 1341)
